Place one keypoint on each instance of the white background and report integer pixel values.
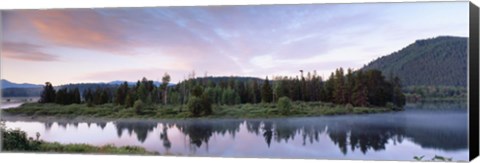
(69, 158)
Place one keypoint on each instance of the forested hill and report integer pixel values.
(440, 61)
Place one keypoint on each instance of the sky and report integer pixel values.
(106, 44)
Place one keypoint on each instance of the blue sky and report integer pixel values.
(100, 45)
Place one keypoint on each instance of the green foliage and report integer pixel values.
(259, 110)
(15, 140)
(195, 105)
(142, 92)
(435, 158)
(390, 105)
(201, 102)
(230, 97)
(206, 104)
(426, 93)
(440, 61)
(417, 158)
(138, 106)
(129, 100)
(284, 105)
(349, 107)
(84, 148)
(197, 90)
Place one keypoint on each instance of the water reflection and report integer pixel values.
(141, 129)
(351, 134)
(438, 130)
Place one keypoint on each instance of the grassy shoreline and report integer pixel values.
(16, 140)
(261, 110)
(55, 147)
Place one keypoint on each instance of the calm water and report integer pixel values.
(430, 129)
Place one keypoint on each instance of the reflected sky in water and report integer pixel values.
(423, 129)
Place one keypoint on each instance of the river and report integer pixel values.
(422, 129)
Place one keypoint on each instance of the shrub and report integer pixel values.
(15, 140)
(349, 107)
(195, 105)
(138, 106)
(284, 105)
(206, 104)
(390, 105)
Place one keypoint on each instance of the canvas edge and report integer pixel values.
(473, 81)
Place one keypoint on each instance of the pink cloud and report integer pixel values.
(26, 51)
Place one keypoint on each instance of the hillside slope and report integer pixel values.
(440, 61)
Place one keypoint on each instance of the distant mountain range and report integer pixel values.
(440, 61)
(8, 84)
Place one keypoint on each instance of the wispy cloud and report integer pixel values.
(26, 51)
(78, 28)
(127, 74)
(222, 40)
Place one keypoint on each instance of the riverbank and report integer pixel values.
(261, 110)
(89, 149)
(15, 140)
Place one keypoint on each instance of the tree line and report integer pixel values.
(359, 88)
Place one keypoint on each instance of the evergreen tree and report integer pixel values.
(359, 96)
(76, 96)
(376, 88)
(121, 94)
(142, 92)
(48, 94)
(61, 96)
(329, 88)
(278, 89)
(266, 91)
(255, 92)
(349, 86)
(398, 97)
(88, 97)
(339, 87)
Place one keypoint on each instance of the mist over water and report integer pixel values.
(422, 129)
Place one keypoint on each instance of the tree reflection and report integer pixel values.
(62, 124)
(164, 137)
(75, 124)
(200, 132)
(141, 129)
(267, 132)
(101, 124)
(285, 131)
(339, 137)
(48, 125)
(312, 132)
(366, 135)
(253, 126)
(349, 133)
